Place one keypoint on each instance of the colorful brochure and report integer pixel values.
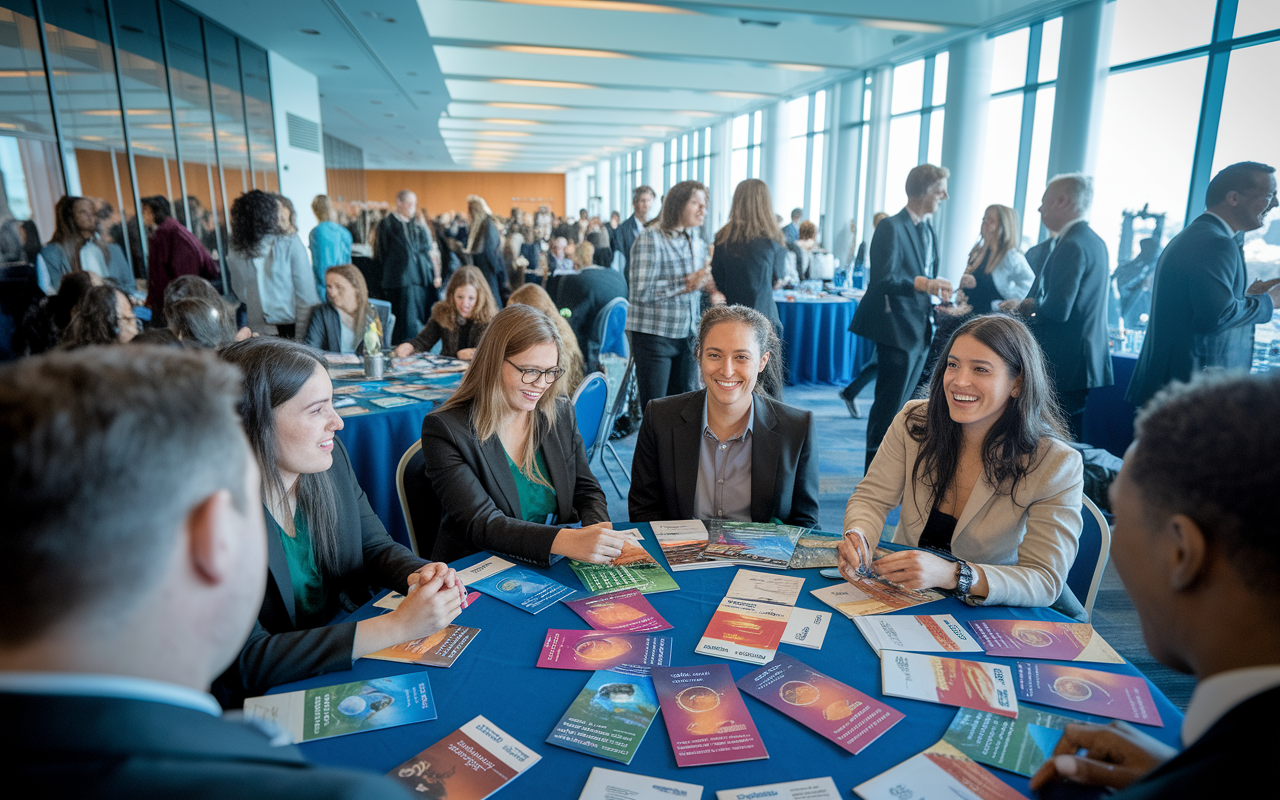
(609, 717)
(610, 784)
(429, 395)
(822, 704)
(595, 650)
(807, 628)
(814, 789)
(624, 611)
(312, 714)
(816, 549)
(745, 630)
(949, 681)
(391, 402)
(1056, 641)
(767, 587)
(440, 649)
(402, 388)
(683, 543)
(522, 587)
(940, 633)
(760, 544)
(352, 411)
(940, 771)
(872, 596)
(1018, 745)
(1088, 691)
(471, 763)
(705, 717)
(634, 569)
(342, 358)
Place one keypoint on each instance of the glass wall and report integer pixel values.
(917, 114)
(807, 139)
(744, 142)
(688, 157)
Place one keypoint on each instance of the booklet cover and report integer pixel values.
(1088, 691)
(940, 771)
(311, 714)
(609, 717)
(595, 650)
(822, 704)
(705, 717)
(1056, 641)
(1018, 745)
(471, 763)
(634, 569)
(816, 549)
(390, 402)
(683, 543)
(872, 596)
(814, 789)
(767, 587)
(610, 784)
(940, 633)
(807, 628)
(624, 611)
(440, 649)
(522, 587)
(758, 543)
(949, 681)
(744, 630)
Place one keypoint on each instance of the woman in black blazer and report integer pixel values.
(504, 455)
(339, 323)
(727, 451)
(325, 545)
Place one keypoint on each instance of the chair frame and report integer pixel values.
(1104, 555)
(610, 417)
(604, 412)
(404, 500)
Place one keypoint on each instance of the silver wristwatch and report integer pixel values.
(964, 581)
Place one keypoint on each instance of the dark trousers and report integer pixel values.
(412, 306)
(664, 366)
(866, 376)
(1071, 404)
(896, 383)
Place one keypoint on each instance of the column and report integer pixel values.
(964, 146)
(1082, 75)
(846, 148)
(877, 131)
(773, 164)
(604, 189)
(653, 158)
(617, 200)
(718, 180)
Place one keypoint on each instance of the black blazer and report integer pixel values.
(626, 236)
(100, 747)
(1201, 317)
(584, 295)
(745, 273)
(892, 312)
(277, 651)
(480, 499)
(1067, 310)
(784, 461)
(488, 259)
(324, 330)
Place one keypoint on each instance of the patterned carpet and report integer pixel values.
(841, 452)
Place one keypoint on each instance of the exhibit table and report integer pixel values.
(817, 346)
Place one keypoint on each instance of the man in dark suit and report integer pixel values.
(895, 312)
(1202, 314)
(409, 276)
(584, 294)
(629, 228)
(1067, 305)
(791, 231)
(132, 565)
(1197, 545)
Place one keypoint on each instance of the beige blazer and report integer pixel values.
(1025, 548)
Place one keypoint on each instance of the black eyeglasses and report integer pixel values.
(531, 375)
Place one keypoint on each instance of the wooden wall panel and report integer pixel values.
(442, 191)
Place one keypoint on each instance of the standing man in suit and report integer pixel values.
(409, 276)
(132, 565)
(1197, 544)
(630, 228)
(1067, 306)
(1202, 315)
(895, 312)
(791, 231)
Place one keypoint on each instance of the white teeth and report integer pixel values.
(964, 398)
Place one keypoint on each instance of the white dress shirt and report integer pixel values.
(1217, 695)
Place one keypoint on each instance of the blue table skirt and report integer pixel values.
(817, 345)
(496, 677)
(1108, 417)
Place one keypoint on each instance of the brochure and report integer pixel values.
(816, 549)
(635, 568)
(683, 543)
(609, 717)
(745, 630)
(807, 628)
(765, 586)
(939, 633)
(940, 771)
(758, 543)
(1018, 745)
(343, 402)
(705, 717)
(815, 789)
(429, 395)
(522, 587)
(440, 649)
(872, 595)
(342, 358)
(822, 704)
(1057, 641)
(1088, 691)
(949, 681)
(595, 650)
(471, 763)
(311, 714)
(402, 388)
(351, 411)
(625, 611)
(610, 784)
(390, 402)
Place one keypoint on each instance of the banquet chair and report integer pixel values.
(1085, 575)
(589, 402)
(616, 409)
(610, 328)
(422, 509)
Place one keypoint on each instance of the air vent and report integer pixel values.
(303, 133)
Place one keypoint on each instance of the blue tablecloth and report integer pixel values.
(496, 677)
(1108, 418)
(817, 346)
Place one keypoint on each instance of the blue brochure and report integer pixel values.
(522, 587)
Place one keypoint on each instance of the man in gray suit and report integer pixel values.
(1202, 315)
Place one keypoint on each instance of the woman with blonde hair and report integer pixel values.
(459, 320)
(534, 295)
(330, 242)
(505, 457)
(339, 323)
(997, 270)
(584, 255)
(484, 244)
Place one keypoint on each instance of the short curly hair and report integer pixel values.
(254, 216)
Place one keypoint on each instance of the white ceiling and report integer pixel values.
(423, 85)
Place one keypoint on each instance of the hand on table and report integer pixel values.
(854, 554)
(967, 281)
(597, 544)
(428, 607)
(1115, 756)
(404, 350)
(916, 569)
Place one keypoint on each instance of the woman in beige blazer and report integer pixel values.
(984, 475)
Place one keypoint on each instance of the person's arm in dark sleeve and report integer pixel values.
(1062, 284)
(804, 497)
(271, 659)
(1217, 307)
(887, 273)
(645, 501)
(427, 337)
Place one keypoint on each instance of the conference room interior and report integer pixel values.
(574, 105)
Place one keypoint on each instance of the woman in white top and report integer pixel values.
(997, 270)
(269, 272)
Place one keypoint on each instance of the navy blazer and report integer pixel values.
(626, 236)
(892, 312)
(784, 462)
(745, 273)
(1201, 317)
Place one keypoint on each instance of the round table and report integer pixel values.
(817, 346)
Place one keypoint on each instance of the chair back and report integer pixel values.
(611, 328)
(422, 509)
(589, 407)
(380, 306)
(1085, 575)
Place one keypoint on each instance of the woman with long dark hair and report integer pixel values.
(268, 270)
(985, 477)
(325, 545)
(103, 316)
(338, 324)
(74, 245)
(459, 320)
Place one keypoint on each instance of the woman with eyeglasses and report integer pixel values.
(504, 456)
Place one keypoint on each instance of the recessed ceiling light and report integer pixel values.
(698, 113)
(537, 50)
(740, 95)
(903, 25)
(800, 67)
(309, 31)
(601, 5)
(504, 133)
(658, 128)
(511, 121)
(341, 66)
(542, 84)
(529, 106)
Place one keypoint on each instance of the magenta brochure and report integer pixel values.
(706, 719)
(1088, 691)
(624, 611)
(609, 717)
(592, 650)
(1034, 638)
(522, 587)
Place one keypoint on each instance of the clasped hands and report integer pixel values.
(910, 569)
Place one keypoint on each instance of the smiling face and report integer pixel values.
(1252, 207)
(464, 300)
(305, 426)
(934, 196)
(341, 293)
(990, 226)
(523, 396)
(731, 363)
(977, 384)
(1057, 208)
(695, 210)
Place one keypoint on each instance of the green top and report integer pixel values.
(309, 597)
(536, 501)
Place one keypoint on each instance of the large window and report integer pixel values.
(916, 122)
(744, 144)
(807, 138)
(688, 157)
